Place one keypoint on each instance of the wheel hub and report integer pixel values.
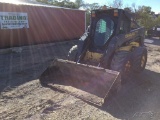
(127, 66)
(143, 61)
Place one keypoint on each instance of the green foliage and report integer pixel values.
(79, 3)
(157, 22)
(94, 6)
(60, 3)
(88, 8)
(117, 4)
(87, 18)
(65, 3)
(143, 15)
(128, 9)
(146, 20)
(146, 17)
(43, 1)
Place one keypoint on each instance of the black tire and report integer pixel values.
(72, 53)
(119, 62)
(139, 57)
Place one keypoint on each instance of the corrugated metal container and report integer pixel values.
(46, 24)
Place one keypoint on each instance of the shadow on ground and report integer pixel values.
(17, 68)
(137, 98)
(153, 41)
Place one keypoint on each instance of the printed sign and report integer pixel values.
(13, 20)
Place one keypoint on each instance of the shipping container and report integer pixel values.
(26, 24)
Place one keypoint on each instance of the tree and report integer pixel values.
(145, 16)
(128, 9)
(117, 4)
(88, 8)
(134, 7)
(146, 20)
(43, 1)
(94, 6)
(157, 22)
(79, 3)
(60, 3)
(146, 9)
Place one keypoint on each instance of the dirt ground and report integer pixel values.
(22, 96)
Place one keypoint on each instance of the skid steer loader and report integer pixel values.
(111, 49)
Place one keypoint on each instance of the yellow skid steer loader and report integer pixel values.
(110, 50)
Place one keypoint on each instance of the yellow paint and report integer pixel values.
(134, 44)
(131, 35)
(125, 48)
(93, 56)
(129, 47)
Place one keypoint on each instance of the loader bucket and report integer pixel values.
(90, 83)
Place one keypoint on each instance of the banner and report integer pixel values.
(13, 20)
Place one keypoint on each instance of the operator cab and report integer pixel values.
(105, 24)
(103, 27)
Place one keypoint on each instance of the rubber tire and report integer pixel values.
(136, 57)
(118, 63)
(72, 53)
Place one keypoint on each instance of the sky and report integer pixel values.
(154, 4)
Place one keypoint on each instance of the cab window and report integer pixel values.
(104, 30)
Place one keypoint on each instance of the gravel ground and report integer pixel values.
(22, 96)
